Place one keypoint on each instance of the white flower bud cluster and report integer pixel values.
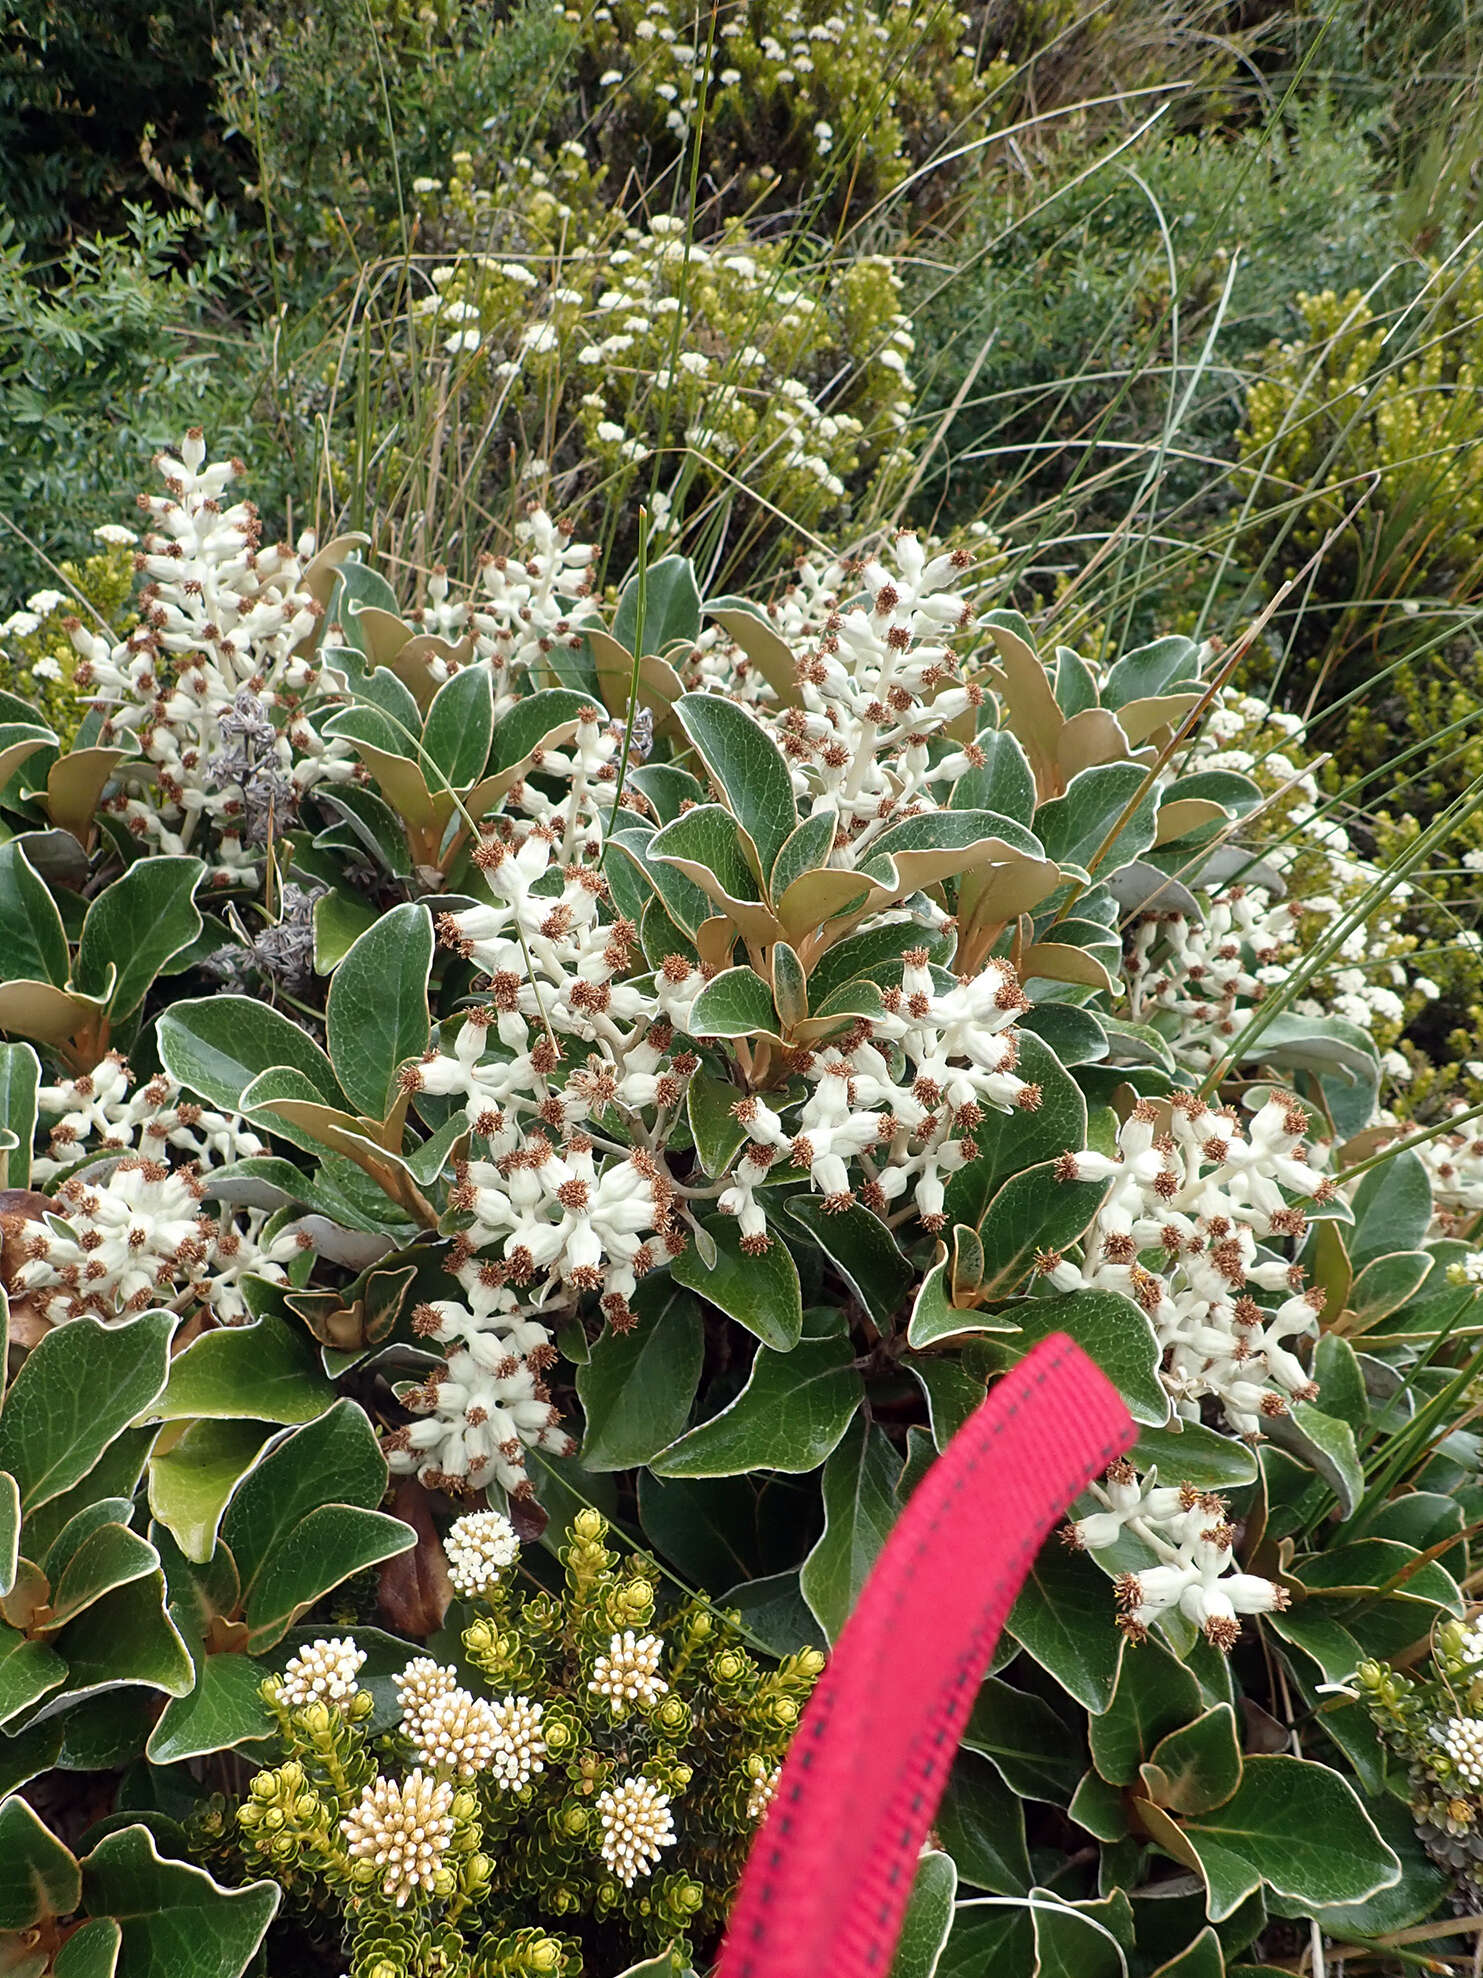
(636, 1827)
(325, 1671)
(1454, 1166)
(1195, 1574)
(97, 1113)
(520, 1750)
(1189, 1182)
(629, 1673)
(478, 1547)
(1462, 1740)
(404, 1830)
(1197, 974)
(218, 613)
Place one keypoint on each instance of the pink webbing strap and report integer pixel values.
(830, 1873)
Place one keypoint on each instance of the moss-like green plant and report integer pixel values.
(600, 1798)
(37, 656)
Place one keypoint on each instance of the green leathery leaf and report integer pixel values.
(1296, 1826)
(32, 938)
(224, 1710)
(107, 1558)
(137, 925)
(1153, 1695)
(1152, 669)
(192, 1477)
(1111, 1330)
(376, 1017)
(760, 1292)
(1187, 1452)
(981, 1823)
(928, 1919)
(123, 1640)
(860, 1507)
(804, 850)
(735, 1003)
(1203, 1959)
(1028, 1741)
(1326, 1445)
(789, 1416)
(39, 1878)
(717, 1132)
(1063, 1619)
(339, 921)
(747, 766)
(862, 1249)
(29, 1670)
(1004, 783)
(671, 607)
(1392, 1209)
(637, 1386)
(934, 1318)
(92, 1951)
(80, 1386)
(324, 1548)
(1033, 1211)
(1010, 1142)
(952, 1393)
(175, 1919)
(706, 840)
(1196, 1767)
(20, 1075)
(265, 1372)
(460, 726)
(10, 1530)
(216, 1046)
(335, 1459)
(1074, 827)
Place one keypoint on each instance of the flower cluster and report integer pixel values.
(585, 1787)
(37, 657)
(131, 1222)
(805, 100)
(220, 615)
(1193, 1544)
(1204, 1195)
(614, 341)
(1431, 1716)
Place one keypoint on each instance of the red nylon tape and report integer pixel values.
(830, 1873)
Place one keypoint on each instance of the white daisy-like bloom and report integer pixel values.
(457, 1733)
(324, 1672)
(478, 1547)
(519, 1749)
(629, 1672)
(636, 1827)
(404, 1829)
(1462, 1740)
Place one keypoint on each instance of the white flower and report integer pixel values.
(629, 1672)
(637, 1825)
(520, 1750)
(404, 1829)
(457, 1733)
(44, 603)
(324, 1672)
(478, 1547)
(1462, 1740)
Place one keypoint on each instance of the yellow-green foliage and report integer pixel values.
(1355, 397)
(809, 104)
(562, 350)
(37, 656)
(522, 1887)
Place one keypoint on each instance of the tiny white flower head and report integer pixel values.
(636, 1826)
(324, 1672)
(404, 1830)
(479, 1546)
(629, 1672)
(519, 1748)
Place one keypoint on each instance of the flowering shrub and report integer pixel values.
(614, 1795)
(673, 1059)
(804, 102)
(749, 377)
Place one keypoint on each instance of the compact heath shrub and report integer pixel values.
(594, 1793)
